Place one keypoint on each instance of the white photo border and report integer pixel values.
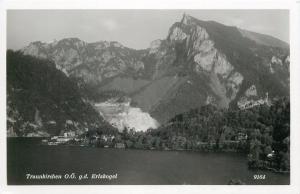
(292, 6)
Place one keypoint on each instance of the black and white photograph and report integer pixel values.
(148, 97)
(94, 98)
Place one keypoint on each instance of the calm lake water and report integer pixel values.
(26, 156)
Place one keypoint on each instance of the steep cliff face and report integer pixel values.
(199, 62)
(206, 59)
(93, 62)
(222, 66)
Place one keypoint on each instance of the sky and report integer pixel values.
(132, 28)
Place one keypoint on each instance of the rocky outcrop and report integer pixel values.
(199, 62)
(93, 62)
(177, 34)
(207, 59)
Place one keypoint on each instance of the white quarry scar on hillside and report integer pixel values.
(122, 115)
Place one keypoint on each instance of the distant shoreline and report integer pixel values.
(155, 149)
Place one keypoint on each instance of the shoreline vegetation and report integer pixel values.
(102, 157)
(34, 108)
(263, 164)
(262, 133)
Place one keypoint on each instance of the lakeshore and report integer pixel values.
(133, 166)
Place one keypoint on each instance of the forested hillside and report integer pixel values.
(42, 100)
(262, 132)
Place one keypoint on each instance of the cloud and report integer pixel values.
(110, 24)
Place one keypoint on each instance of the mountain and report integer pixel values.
(264, 39)
(198, 63)
(43, 101)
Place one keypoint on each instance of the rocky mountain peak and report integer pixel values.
(187, 19)
(106, 44)
(189, 29)
(68, 43)
(71, 39)
(206, 60)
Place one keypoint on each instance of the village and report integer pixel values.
(70, 138)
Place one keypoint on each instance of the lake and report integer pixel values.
(150, 167)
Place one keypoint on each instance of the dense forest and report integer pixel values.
(262, 132)
(42, 100)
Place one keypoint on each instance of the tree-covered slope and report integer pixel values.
(42, 100)
(257, 131)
